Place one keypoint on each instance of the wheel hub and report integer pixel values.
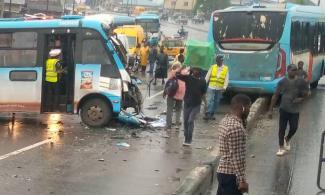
(95, 113)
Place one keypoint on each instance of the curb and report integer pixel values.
(257, 108)
(200, 179)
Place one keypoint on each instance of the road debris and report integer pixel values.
(101, 160)
(110, 129)
(123, 144)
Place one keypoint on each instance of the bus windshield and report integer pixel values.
(245, 30)
(149, 25)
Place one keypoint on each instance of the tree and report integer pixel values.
(208, 6)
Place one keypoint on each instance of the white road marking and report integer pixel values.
(155, 95)
(25, 149)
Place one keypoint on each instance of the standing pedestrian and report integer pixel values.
(232, 148)
(144, 55)
(301, 73)
(217, 79)
(180, 57)
(153, 53)
(294, 90)
(162, 66)
(52, 75)
(175, 100)
(195, 89)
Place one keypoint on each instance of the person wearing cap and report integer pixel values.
(217, 79)
(53, 69)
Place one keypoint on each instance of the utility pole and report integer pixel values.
(2, 2)
(10, 9)
(47, 7)
(73, 4)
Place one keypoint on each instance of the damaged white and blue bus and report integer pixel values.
(95, 85)
(259, 42)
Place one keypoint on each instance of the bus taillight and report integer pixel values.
(281, 64)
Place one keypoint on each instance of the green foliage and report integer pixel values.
(208, 6)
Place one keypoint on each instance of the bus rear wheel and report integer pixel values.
(96, 113)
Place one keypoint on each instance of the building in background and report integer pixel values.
(180, 5)
(49, 7)
(14, 9)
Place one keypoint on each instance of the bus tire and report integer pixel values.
(96, 112)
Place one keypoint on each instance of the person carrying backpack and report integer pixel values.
(175, 91)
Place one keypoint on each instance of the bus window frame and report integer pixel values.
(104, 43)
(14, 30)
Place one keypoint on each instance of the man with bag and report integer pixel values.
(195, 90)
(217, 79)
(175, 91)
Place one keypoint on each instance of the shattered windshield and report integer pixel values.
(258, 27)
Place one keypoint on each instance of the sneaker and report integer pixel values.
(186, 144)
(287, 146)
(281, 152)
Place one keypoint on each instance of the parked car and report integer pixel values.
(198, 20)
(182, 20)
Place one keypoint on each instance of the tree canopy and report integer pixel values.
(208, 6)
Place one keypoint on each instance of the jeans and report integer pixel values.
(189, 116)
(214, 97)
(227, 185)
(285, 117)
(171, 103)
(151, 67)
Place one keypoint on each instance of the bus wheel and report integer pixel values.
(96, 112)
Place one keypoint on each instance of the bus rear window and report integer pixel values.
(260, 29)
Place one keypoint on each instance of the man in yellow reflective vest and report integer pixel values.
(217, 79)
(53, 69)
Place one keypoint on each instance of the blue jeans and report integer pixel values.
(151, 67)
(189, 116)
(214, 97)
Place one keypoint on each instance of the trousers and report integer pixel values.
(189, 116)
(227, 185)
(285, 118)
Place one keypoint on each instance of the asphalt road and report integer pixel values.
(56, 154)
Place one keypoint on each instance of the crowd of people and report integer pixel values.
(185, 90)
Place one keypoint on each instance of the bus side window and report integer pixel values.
(18, 49)
(93, 52)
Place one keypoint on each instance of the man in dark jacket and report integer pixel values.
(195, 89)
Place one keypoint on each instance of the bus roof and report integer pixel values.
(72, 21)
(275, 7)
(147, 16)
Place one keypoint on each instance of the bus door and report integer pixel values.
(97, 72)
(59, 96)
(20, 72)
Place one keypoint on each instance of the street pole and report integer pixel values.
(10, 9)
(73, 6)
(2, 8)
(47, 7)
